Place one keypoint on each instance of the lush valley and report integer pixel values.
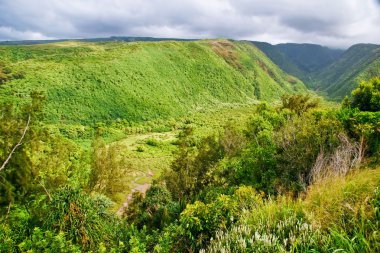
(310, 57)
(359, 62)
(333, 72)
(301, 60)
(187, 146)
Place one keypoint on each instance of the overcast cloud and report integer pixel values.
(335, 23)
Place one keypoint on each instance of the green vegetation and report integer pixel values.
(280, 58)
(359, 62)
(300, 60)
(294, 174)
(88, 83)
(310, 57)
(330, 71)
(367, 96)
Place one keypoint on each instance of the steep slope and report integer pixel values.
(279, 58)
(309, 57)
(96, 82)
(359, 62)
(300, 60)
(332, 71)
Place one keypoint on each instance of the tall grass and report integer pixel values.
(339, 214)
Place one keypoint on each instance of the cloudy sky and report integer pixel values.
(335, 23)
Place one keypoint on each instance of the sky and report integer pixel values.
(334, 23)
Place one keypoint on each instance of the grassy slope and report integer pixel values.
(300, 60)
(279, 58)
(359, 62)
(92, 82)
(336, 215)
(327, 70)
(309, 57)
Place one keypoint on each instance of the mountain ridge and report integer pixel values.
(359, 62)
(101, 39)
(88, 82)
(332, 72)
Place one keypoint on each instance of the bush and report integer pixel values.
(46, 241)
(200, 221)
(274, 226)
(140, 149)
(367, 96)
(348, 209)
(84, 219)
(153, 142)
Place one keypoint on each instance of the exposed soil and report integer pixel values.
(139, 187)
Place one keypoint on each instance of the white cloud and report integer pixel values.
(337, 23)
(11, 34)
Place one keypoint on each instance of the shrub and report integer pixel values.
(200, 221)
(348, 208)
(274, 226)
(153, 142)
(84, 219)
(46, 241)
(140, 149)
(367, 96)
(109, 170)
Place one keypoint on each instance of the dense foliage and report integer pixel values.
(88, 83)
(334, 72)
(289, 180)
(359, 62)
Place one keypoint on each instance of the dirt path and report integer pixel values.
(139, 187)
(147, 164)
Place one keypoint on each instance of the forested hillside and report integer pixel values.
(281, 59)
(298, 176)
(333, 72)
(96, 82)
(359, 62)
(310, 57)
(300, 60)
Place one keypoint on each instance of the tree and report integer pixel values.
(191, 169)
(109, 169)
(32, 160)
(367, 96)
(17, 145)
(299, 103)
(16, 134)
(361, 115)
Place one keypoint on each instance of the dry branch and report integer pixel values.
(17, 145)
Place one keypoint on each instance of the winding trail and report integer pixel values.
(139, 187)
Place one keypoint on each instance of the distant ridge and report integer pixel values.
(334, 72)
(360, 62)
(301, 60)
(109, 39)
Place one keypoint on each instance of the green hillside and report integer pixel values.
(300, 60)
(359, 62)
(309, 57)
(280, 58)
(332, 71)
(96, 82)
(109, 39)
